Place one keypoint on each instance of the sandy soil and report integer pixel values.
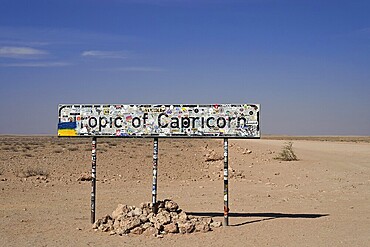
(321, 200)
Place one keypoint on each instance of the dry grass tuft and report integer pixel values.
(287, 153)
(72, 149)
(36, 171)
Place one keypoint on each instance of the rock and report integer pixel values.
(247, 151)
(116, 224)
(146, 225)
(171, 228)
(84, 177)
(121, 231)
(158, 226)
(151, 231)
(202, 226)
(171, 206)
(146, 211)
(104, 228)
(212, 156)
(144, 205)
(137, 230)
(137, 212)
(216, 224)
(163, 217)
(119, 211)
(160, 204)
(151, 217)
(129, 223)
(97, 223)
(174, 216)
(183, 216)
(186, 227)
(207, 220)
(143, 218)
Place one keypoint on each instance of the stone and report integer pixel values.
(143, 218)
(160, 204)
(171, 206)
(130, 223)
(183, 216)
(151, 231)
(151, 217)
(213, 156)
(137, 230)
(119, 211)
(171, 228)
(146, 225)
(104, 228)
(106, 218)
(158, 226)
(144, 205)
(202, 226)
(207, 220)
(116, 224)
(174, 216)
(137, 212)
(121, 231)
(84, 177)
(163, 217)
(187, 227)
(146, 211)
(97, 223)
(216, 224)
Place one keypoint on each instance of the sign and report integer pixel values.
(115, 120)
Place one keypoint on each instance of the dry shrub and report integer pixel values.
(72, 149)
(36, 171)
(287, 153)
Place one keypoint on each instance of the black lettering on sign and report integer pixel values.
(160, 124)
(136, 122)
(93, 122)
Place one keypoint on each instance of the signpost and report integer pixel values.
(159, 121)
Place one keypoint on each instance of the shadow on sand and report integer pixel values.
(266, 216)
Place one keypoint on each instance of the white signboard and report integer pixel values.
(116, 120)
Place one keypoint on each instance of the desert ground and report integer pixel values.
(323, 199)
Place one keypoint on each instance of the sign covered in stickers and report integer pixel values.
(224, 120)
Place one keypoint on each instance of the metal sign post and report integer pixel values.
(155, 170)
(226, 182)
(93, 179)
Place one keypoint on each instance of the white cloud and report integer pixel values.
(21, 52)
(137, 69)
(105, 54)
(37, 65)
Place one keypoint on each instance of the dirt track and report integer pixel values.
(320, 200)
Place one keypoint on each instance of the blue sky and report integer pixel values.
(306, 62)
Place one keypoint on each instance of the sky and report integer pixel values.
(306, 62)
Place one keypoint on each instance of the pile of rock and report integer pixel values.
(169, 219)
